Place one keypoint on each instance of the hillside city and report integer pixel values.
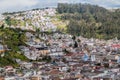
(37, 49)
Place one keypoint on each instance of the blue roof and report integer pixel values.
(85, 57)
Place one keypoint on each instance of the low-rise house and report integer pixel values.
(2, 49)
(9, 78)
(26, 65)
(44, 51)
(35, 77)
(1, 78)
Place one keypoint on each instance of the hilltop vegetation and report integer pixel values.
(90, 20)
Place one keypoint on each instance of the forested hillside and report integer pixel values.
(90, 20)
(13, 38)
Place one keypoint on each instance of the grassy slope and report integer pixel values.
(61, 25)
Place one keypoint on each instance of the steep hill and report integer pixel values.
(90, 20)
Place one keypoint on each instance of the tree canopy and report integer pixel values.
(90, 20)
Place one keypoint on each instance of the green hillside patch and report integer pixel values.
(90, 20)
(13, 38)
(61, 24)
(10, 59)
